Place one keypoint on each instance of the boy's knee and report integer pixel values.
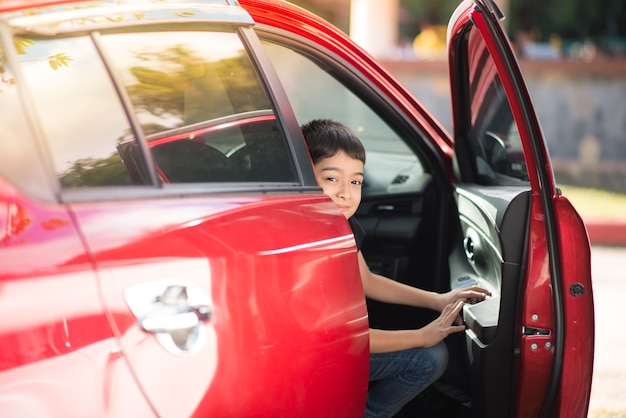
(439, 354)
(426, 366)
(429, 363)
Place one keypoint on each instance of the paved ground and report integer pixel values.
(608, 390)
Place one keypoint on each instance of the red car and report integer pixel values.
(165, 249)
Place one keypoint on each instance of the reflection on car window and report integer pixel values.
(494, 138)
(80, 113)
(391, 166)
(196, 95)
(202, 107)
(16, 141)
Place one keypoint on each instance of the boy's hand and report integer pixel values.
(447, 323)
(471, 294)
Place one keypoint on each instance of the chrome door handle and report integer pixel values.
(172, 319)
(174, 310)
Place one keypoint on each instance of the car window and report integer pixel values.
(494, 139)
(201, 106)
(194, 97)
(16, 139)
(80, 114)
(391, 166)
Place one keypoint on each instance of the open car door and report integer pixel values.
(530, 345)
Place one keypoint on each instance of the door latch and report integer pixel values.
(535, 331)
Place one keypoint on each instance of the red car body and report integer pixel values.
(240, 300)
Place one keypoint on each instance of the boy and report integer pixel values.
(403, 362)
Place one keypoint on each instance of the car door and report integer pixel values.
(235, 295)
(531, 344)
(229, 280)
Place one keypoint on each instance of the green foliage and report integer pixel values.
(430, 11)
(574, 19)
(425, 12)
(176, 83)
(96, 172)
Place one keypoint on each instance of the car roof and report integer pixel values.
(53, 17)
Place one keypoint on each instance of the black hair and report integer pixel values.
(325, 138)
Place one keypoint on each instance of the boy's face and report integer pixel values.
(341, 178)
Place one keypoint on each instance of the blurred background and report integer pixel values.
(572, 54)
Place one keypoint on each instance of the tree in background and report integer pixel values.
(567, 22)
(602, 22)
(417, 14)
(570, 22)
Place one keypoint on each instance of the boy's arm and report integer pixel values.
(383, 289)
(383, 341)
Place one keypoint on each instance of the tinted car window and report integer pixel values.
(196, 97)
(16, 140)
(494, 138)
(201, 106)
(78, 109)
(391, 167)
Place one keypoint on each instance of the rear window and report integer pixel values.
(189, 103)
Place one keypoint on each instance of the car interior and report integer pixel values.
(232, 149)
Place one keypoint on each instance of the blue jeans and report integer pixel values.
(399, 376)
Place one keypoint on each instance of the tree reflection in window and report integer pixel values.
(190, 78)
(22, 44)
(175, 80)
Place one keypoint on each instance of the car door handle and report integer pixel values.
(173, 310)
(172, 319)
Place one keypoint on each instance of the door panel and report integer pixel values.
(499, 148)
(493, 200)
(271, 273)
(490, 254)
(55, 338)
